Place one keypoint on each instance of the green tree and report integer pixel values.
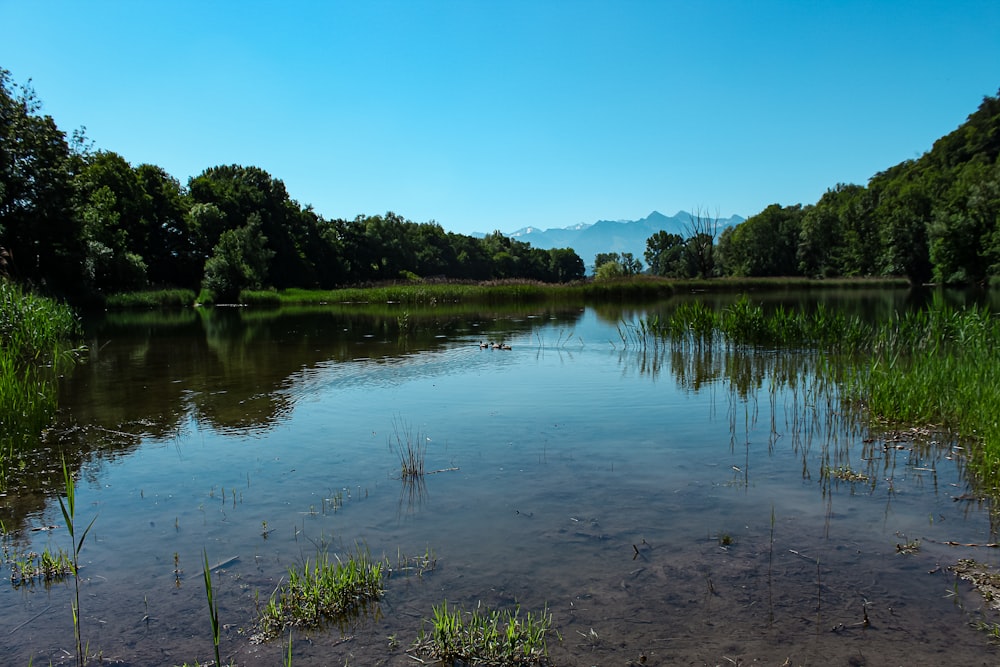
(665, 254)
(39, 230)
(111, 202)
(765, 244)
(628, 265)
(239, 261)
(821, 249)
(565, 265)
(609, 270)
(239, 192)
(171, 252)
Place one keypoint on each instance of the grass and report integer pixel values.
(213, 607)
(485, 637)
(321, 590)
(68, 508)
(411, 449)
(49, 567)
(165, 298)
(937, 366)
(34, 346)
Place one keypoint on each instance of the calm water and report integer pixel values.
(662, 503)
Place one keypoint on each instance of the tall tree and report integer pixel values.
(38, 229)
(665, 254)
(239, 261)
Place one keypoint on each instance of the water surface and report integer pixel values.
(666, 504)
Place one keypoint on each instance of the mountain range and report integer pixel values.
(589, 239)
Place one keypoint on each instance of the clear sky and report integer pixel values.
(502, 114)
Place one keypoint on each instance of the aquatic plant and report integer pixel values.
(411, 449)
(69, 515)
(213, 607)
(48, 566)
(485, 637)
(321, 590)
(34, 335)
(844, 474)
(936, 366)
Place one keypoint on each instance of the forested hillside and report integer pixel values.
(79, 222)
(935, 218)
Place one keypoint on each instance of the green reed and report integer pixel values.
(938, 366)
(485, 637)
(213, 606)
(320, 590)
(411, 449)
(68, 508)
(34, 332)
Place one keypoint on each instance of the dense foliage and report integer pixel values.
(80, 222)
(934, 218)
(34, 335)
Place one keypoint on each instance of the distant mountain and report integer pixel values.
(613, 235)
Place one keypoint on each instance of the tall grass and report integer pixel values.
(34, 343)
(68, 508)
(166, 298)
(938, 366)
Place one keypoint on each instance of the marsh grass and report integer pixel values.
(34, 346)
(937, 366)
(410, 448)
(68, 508)
(48, 567)
(485, 637)
(213, 606)
(321, 590)
(166, 298)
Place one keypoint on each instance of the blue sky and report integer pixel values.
(500, 115)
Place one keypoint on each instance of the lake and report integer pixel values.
(667, 505)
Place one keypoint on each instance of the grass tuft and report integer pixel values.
(411, 449)
(485, 637)
(319, 591)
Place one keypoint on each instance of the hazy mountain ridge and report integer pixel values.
(589, 239)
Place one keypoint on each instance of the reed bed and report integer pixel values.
(34, 336)
(939, 366)
(166, 298)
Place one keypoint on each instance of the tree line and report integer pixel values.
(80, 222)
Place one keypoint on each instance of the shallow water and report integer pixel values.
(665, 505)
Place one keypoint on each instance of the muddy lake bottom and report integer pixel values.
(660, 520)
